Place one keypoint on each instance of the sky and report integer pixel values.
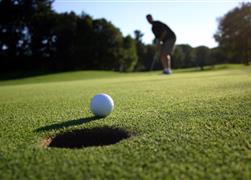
(194, 21)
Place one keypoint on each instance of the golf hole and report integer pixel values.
(99, 136)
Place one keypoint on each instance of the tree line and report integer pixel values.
(34, 37)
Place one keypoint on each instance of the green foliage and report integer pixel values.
(15, 20)
(202, 56)
(53, 41)
(189, 125)
(187, 56)
(128, 58)
(183, 56)
(145, 53)
(141, 51)
(107, 42)
(35, 38)
(234, 34)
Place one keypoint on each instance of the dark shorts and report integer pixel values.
(168, 46)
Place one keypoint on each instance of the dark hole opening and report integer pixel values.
(99, 136)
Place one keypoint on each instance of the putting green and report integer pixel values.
(191, 124)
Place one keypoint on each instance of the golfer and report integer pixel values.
(165, 40)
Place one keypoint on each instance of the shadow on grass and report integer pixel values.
(24, 74)
(205, 68)
(68, 123)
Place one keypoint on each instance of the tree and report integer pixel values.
(106, 43)
(141, 50)
(183, 56)
(178, 57)
(217, 56)
(129, 57)
(65, 29)
(84, 36)
(234, 34)
(15, 29)
(202, 56)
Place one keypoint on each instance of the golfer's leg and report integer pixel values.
(164, 61)
(168, 61)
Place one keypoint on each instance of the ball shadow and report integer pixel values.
(69, 123)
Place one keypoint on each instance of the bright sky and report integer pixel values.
(193, 21)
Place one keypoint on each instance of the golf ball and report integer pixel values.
(102, 105)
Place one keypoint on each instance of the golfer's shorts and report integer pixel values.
(168, 46)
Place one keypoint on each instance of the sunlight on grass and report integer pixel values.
(190, 125)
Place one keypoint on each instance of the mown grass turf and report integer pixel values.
(187, 125)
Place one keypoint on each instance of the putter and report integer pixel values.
(155, 59)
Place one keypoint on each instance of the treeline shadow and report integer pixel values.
(5, 76)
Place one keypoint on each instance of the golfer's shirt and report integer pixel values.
(159, 28)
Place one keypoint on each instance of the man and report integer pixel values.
(165, 41)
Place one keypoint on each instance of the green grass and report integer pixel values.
(187, 125)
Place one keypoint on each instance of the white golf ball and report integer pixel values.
(102, 105)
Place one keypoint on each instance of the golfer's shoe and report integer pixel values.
(167, 71)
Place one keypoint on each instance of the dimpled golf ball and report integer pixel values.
(102, 105)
